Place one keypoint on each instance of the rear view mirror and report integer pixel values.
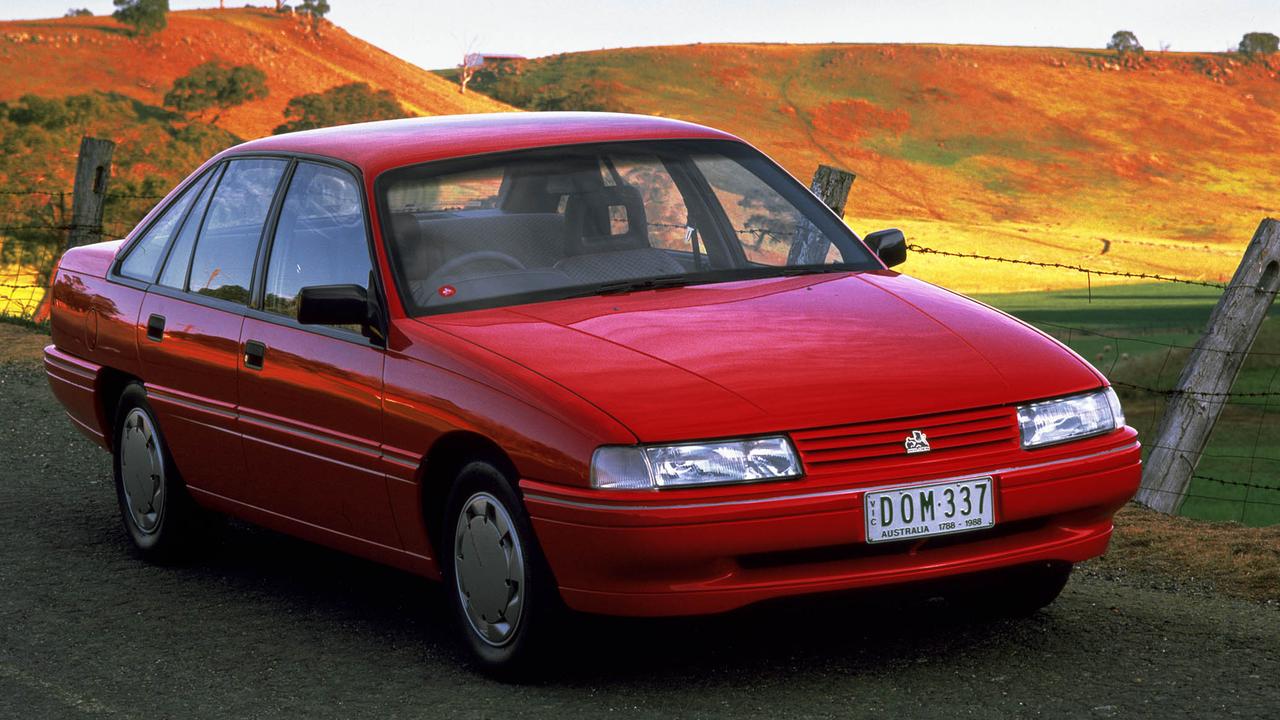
(336, 305)
(890, 245)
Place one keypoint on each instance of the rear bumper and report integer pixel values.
(74, 383)
(670, 558)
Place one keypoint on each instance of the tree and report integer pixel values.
(1259, 43)
(539, 85)
(341, 105)
(315, 10)
(79, 12)
(216, 85)
(144, 16)
(471, 62)
(1125, 43)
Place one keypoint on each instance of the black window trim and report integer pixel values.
(379, 292)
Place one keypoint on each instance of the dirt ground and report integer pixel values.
(264, 626)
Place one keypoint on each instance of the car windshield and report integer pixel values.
(554, 223)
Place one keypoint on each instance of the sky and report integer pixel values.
(435, 34)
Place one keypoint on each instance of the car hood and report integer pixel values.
(777, 354)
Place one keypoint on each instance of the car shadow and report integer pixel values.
(865, 631)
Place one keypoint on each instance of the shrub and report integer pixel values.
(144, 16)
(1259, 43)
(341, 105)
(216, 85)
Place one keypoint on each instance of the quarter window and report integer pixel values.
(144, 258)
(320, 238)
(222, 266)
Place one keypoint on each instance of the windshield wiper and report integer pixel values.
(715, 276)
(792, 270)
(649, 283)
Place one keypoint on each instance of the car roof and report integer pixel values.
(378, 146)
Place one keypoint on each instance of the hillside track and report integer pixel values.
(262, 626)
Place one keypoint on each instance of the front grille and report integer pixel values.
(966, 440)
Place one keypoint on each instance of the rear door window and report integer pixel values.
(222, 265)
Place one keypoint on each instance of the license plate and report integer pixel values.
(926, 510)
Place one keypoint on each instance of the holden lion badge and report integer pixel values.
(917, 443)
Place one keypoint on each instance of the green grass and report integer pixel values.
(1143, 321)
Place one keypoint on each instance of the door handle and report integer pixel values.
(155, 327)
(255, 354)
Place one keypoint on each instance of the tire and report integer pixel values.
(1014, 593)
(158, 514)
(503, 597)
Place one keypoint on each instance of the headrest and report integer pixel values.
(404, 229)
(605, 219)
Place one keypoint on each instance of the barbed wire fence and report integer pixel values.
(38, 223)
(1227, 482)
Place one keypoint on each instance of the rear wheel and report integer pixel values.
(503, 597)
(1016, 592)
(158, 514)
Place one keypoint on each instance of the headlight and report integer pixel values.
(1069, 418)
(658, 466)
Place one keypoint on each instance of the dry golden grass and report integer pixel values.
(1069, 245)
(1232, 558)
(20, 290)
(1042, 152)
(65, 56)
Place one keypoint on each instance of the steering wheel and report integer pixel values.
(478, 256)
(471, 258)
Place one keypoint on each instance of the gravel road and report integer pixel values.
(265, 626)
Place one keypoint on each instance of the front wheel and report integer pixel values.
(158, 514)
(500, 588)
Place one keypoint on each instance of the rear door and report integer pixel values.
(189, 327)
(311, 396)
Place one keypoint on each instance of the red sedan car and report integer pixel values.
(618, 364)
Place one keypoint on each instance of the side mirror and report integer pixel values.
(890, 245)
(338, 305)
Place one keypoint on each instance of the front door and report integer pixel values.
(311, 396)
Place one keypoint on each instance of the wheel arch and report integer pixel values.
(110, 386)
(440, 466)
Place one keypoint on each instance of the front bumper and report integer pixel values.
(674, 555)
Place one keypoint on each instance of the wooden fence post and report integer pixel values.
(832, 185)
(93, 171)
(1211, 370)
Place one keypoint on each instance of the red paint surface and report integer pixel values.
(329, 440)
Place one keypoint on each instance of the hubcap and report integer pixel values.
(489, 569)
(142, 471)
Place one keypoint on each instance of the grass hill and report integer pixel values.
(67, 77)
(67, 56)
(1049, 154)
